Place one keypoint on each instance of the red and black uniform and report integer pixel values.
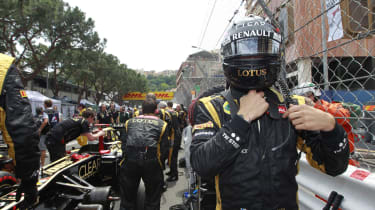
(64, 132)
(143, 143)
(18, 127)
(255, 164)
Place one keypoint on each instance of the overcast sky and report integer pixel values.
(158, 35)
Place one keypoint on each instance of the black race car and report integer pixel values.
(83, 179)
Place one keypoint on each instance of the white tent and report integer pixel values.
(37, 100)
(86, 102)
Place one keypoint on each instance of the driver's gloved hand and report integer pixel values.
(29, 188)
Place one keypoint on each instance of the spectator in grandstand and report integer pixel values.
(247, 137)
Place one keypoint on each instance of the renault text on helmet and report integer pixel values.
(251, 52)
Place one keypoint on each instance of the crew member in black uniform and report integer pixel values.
(182, 116)
(113, 114)
(176, 143)
(252, 152)
(103, 117)
(122, 116)
(68, 130)
(166, 117)
(19, 130)
(143, 142)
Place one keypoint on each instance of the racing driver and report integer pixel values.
(247, 136)
(18, 130)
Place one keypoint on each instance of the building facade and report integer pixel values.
(199, 72)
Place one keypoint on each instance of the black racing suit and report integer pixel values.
(176, 142)
(62, 133)
(255, 163)
(166, 117)
(18, 127)
(143, 142)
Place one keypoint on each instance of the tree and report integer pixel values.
(161, 83)
(32, 31)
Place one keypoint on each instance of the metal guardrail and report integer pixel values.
(356, 185)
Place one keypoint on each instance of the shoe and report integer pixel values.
(168, 173)
(172, 179)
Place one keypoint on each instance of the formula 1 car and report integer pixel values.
(84, 179)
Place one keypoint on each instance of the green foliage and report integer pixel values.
(36, 32)
(49, 34)
(161, 83)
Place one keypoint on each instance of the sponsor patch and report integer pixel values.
(204, 133)
(282, 109)
(208, 124)
(23, 93)
(230, 140)
(226, 107)
(360, 174)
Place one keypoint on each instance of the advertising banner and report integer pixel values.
(138, 96)
(334, 20)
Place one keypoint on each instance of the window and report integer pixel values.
(357, 16)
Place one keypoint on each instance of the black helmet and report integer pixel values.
(251, 51)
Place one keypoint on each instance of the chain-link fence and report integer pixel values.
(328, 51)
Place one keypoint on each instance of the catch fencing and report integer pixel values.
(328, 49)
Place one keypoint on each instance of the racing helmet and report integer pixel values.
(251, 53)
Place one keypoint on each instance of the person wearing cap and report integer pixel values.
(312, 94)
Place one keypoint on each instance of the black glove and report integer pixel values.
(29, 188)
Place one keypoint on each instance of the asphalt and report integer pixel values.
(175, 190)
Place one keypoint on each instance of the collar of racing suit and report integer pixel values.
(276, 107)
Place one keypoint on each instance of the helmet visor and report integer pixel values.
(251, 46)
